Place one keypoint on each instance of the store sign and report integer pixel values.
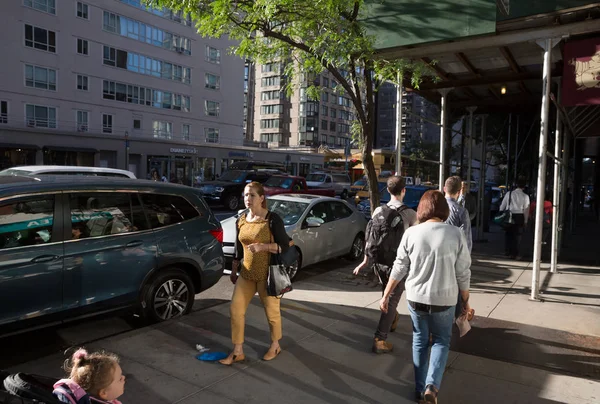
(304, 158)
(581, 77)
(241, 154)
(181, 150)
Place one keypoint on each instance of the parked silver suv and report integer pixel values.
(339, 182)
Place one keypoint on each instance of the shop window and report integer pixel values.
(107, 123)
(26, 222)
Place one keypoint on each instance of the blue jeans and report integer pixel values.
(429, 370)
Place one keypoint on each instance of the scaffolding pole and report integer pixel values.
(443, 120)
(470, 146)
(556, 226)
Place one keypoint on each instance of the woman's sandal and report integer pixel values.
(270, 355)
(231, 359)
(431, 394)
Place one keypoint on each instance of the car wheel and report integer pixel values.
(358, 247)
(295, 268)
(168, 295)
(344, 194)
(232, 202)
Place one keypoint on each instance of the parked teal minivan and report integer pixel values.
(76, 246)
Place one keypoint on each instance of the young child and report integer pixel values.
(93, 378)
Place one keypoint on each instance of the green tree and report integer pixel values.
(314, 36)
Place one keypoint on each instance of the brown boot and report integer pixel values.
(381, 346)
(395, 323)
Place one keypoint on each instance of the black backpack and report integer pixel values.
(385, 233)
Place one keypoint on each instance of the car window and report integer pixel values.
(320, 211)
(289, 211)
(315, 177)
(97, 214)
(328, 179)
(233, 176)
(341, 178)
(26, 222)
(164, 210)
(340, 210)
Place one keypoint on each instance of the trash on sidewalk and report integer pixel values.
(201, 348)
(211, 356)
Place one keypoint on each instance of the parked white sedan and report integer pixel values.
(321, 227)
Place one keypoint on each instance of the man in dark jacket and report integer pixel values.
(383, 239)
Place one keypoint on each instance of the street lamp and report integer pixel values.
(126, 150)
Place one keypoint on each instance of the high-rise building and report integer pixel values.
(111, 83)
(249, 86)
(293, 121)
(416, 125)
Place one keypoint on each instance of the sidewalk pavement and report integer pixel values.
(517, 352)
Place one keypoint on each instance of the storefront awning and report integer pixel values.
(18, 146)
(71, 149)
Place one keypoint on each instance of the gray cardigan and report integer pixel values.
(436, 258)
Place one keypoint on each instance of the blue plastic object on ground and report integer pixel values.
(211, 356)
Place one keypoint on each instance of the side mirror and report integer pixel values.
(313, 222)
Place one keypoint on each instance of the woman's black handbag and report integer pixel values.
(278, 281)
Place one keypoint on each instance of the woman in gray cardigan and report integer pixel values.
(435, 259)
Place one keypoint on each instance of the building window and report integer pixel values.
(82, 82)
(332, 140)
(185, 131)
(271, 95)
(176, 16)
(142, 32)
(112, 90)
(270, 123)
(47, 6)
(271, 109)
(271, 137)
(212, 81)
(323, 124)
(40, 38)
(211, 135)
(162, 129)
(82, 121)
(325, 97)
(138, 63)
(332, 126)
(333, 112)
(107, 123)
(324, 110)
(212, 108)
(325, 82)
(82, 10)
(3, 111)
(39, 116)
(270, 81)
(137, 124)
(82, 46)
(271, 68)
(40, 77)
(213, 55)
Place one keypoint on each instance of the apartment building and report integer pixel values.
(284, 121)
(111, 83)
(418, 115)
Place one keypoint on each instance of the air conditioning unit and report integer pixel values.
(82, 128)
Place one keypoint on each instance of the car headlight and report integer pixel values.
(219, 189)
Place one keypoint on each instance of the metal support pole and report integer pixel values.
(470, 147)
(508, 151)
(556, 226)
(547, 46)
(482, 171)
(399, 125)
(443, 118)
(565, 186)
(515, 174)
(126, 150)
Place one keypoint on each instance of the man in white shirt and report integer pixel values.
(519, 207)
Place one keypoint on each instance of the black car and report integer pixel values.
(411, 198)
(228, 189)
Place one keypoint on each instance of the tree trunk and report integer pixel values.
(369, 166)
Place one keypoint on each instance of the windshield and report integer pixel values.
(233, 176)
(289, 211)
(315, 177)
(12, 171)
(279, 182)
(360, 183)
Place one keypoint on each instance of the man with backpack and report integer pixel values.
(384, 233)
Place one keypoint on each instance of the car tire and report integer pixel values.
(167, 295)
(294, 269)
(232, 202)
(344, 194)
(357, 249)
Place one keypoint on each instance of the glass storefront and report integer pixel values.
(204, 169)
(181, 169)
(61, 157)
(224, 165)
(11, 157)
(304, 169)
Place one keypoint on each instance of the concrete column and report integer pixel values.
(556, 188)
(470, 147)
(547, 46)
(399, 125)
(443, 117)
